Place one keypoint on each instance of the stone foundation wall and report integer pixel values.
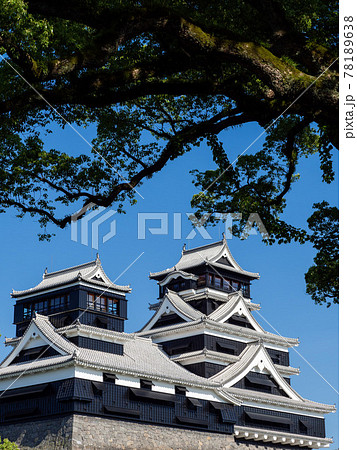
(50, 434)
(97, 433)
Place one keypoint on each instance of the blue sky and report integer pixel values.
(280, 290)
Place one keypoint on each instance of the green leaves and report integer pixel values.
(155, 79)
(322, 279)
(5, 444)
(259, 182)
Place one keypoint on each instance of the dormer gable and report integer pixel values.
(224, 260)
(254, 358)
(40, 334)
(173, 304)
(236, 306)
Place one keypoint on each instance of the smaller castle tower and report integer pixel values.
(83, 293)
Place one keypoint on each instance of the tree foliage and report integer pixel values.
(5, 444)
(157, 78)
(322, 278)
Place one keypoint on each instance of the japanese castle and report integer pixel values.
(202, 364)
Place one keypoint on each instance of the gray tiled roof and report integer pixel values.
(206, 323)
(270, 399)
(177, 273)
(227, 359)
(52, 362)
(141, 358)
(84, 272)
(48, 330)
(199, 255)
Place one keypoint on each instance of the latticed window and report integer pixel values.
(27, 311)
(217, 282)
(58, 303)
(46, 306)
(226, 285)
(113, 306)
(103, 304)
(91, 301)
(41, 306)
(245, 289)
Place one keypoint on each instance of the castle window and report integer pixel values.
(210, 279)
(235, 286)
(91, 301)
(245, 289)
(40, 307)
(103, 304)
(201, 280)
(113, 306)
(46, 306)
(58, 303)
(27, 311)
(226, 285)
(217, 282)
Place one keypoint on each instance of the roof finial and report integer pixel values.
(224, 236)
(97, 259)
(45, 273)
(184, 247)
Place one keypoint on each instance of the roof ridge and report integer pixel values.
(111, 333)
(70, 269)
(212, 244)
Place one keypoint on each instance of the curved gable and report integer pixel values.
(40, 333)
(235, 305)
(254, 358)
(172, 302)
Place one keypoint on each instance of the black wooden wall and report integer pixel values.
(144, 405)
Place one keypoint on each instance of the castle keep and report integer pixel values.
(202, 373)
